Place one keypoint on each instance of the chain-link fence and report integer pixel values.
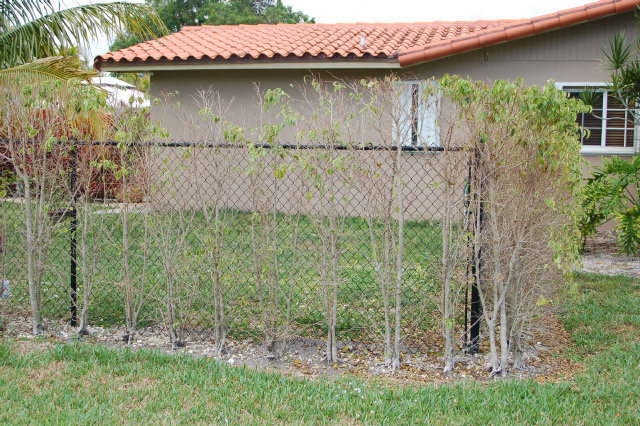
(224, 241)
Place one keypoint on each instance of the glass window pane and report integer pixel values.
(591, 121)
(630, 132)
(618, 114)
(596, 98)
(619, 128)
(613, 103)
(615, 138)
(617, 125)
(595, 138)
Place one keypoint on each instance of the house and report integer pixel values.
(121, 94)
(565, 46)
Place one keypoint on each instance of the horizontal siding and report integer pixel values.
(582, 42)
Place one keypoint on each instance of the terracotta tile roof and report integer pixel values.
(514, 30)
(406, 43)
(295, 41)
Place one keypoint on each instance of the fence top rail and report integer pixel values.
(191, 144)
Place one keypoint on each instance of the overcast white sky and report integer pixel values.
(332, 11)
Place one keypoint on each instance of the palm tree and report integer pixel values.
(34, 36)
(36, 42)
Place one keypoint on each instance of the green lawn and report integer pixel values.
(82, 383)
(360, 301)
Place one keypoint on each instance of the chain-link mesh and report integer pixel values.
(231, 241)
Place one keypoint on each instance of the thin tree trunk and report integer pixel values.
(129, 301)
(292, 275)
(504, 344)
(495, 367)
(324, 279)
(34, 286)
(220, 333)
(518, 355)
(448, 314)
(86, 280)
(171, 317)
(399, 262)
(274, 288)
(385, 278)
(334, 300)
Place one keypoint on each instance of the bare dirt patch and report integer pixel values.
(602, 256)
(47, 374)
(26, 347)
(610, 264)
(545, 355)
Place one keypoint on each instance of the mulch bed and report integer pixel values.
(545, 354)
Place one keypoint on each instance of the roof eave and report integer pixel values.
(307, 64)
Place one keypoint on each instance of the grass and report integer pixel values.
(359, 293)
(82, 383)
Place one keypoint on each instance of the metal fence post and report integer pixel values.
(73, 236)
(476, 257)
(468, 230)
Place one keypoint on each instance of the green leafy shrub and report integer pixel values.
(612, 194)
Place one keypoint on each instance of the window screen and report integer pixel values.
(609, 124)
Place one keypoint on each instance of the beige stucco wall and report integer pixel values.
(567, 55)
(205, 177)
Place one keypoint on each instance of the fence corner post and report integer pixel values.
(476, 177)
(73, 237)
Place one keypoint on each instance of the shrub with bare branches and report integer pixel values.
(268, 165)
(37, 121)
(210, 168)
(528, 175)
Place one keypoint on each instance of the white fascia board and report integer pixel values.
(143, 67)
(597, 84)
(598, 150)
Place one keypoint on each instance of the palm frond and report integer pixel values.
(46, 35)
(589, 96)
(17, 12)
(46, 69)
(617, 54)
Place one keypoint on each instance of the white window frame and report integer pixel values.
(603, 149)
(426, 118)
